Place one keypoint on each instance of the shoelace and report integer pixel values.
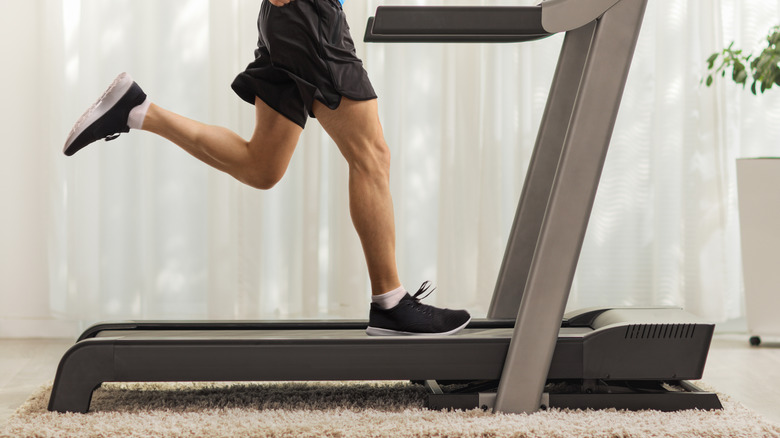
(418, 305)
(423, 289)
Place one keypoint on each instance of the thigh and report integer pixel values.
(354, 125)
(274, 139)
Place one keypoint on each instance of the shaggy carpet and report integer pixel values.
(345, 409)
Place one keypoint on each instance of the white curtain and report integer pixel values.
(137, 229)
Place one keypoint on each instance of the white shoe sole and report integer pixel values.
(110, 97)
(375, 331)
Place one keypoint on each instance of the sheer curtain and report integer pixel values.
(136, 228)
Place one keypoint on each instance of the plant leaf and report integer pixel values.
(774, 37)
(711, 60)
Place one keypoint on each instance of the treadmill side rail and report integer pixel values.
(129, 326)
(238, 325)
(230, 356)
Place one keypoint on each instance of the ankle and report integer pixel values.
(390, 299)
(138, 115)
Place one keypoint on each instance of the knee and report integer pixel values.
(260, 179)
(373, 158)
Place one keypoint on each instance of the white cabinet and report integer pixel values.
(758, 182)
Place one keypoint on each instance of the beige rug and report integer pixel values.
(386, 409)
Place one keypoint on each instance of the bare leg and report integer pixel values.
(260, 162)
(355, 128)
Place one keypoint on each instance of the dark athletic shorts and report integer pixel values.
(304, 52)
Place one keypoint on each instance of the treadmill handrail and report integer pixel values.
(460, 20)
(482, 23)
(478, 24)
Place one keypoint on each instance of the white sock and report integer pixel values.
(138, 114)
(390, 299)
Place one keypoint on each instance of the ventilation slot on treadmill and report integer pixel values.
(660, 331)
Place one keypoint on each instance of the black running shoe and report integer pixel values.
(411, 317)
(107, 118)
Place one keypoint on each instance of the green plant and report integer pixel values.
(762, 69)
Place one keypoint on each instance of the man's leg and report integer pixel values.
(260, 162)
(355, 128)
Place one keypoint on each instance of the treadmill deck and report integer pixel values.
(352, 335)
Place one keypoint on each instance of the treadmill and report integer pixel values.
(527, 355)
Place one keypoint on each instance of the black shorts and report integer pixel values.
(304, 52)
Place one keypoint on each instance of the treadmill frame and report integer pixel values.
(535, 277)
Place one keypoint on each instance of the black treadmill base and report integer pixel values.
(668, 347)
(629, 396)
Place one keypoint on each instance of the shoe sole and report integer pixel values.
(375, 331)
(110, 97)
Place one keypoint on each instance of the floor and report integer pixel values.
(751, 375)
